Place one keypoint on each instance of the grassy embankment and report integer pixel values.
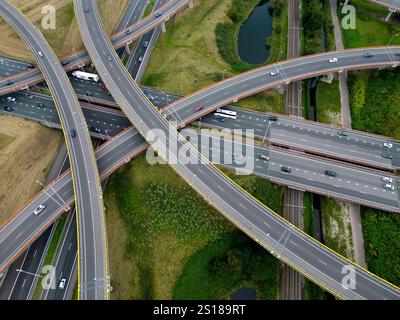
(160, 230)
(370, 29)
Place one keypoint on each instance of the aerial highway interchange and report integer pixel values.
(263, 225)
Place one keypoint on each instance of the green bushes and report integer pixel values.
(221, 267)
(317, 26)
(382, 243)
(375, 102)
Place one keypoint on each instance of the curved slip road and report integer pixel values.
(88, 194)
(25, 79)
(282, 239)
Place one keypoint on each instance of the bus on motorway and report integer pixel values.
(224, 115)
(228, 112)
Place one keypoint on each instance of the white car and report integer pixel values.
(333, 60)
(388, 145)
(387, 179)
(274, 73)
(40, 53)
(10, 99)
(39, 209)
(388, 186)
(62, 283)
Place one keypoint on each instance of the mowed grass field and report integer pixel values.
(66, 37)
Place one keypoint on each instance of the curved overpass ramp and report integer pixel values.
(85, 177)
(282, 239)
(24, 80)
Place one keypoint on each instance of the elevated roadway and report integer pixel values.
(352, 183)
(26, 79)
(85, 177)
(282, 239)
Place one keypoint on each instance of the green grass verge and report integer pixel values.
(328, 103)
(51, 251)
(277, 42)
(149, 8)
(370, 30)
(336, 229)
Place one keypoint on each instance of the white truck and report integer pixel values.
(86, 76)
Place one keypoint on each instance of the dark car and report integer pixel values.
(64, 63)
(159, 14)
(387, 156)
(128, 31)
(342, 133)
(286, 169)
(40, 105)
(95, 129)
(397, 54)
(108, 57)
(30, 66)
(220, 119)
(86, 10)
(330, 173)
(9, 82)
(89, 93)
(8, 108)
(273, 118)
(367, 55)
(72, 133)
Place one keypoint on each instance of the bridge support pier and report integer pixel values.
(163, 27)
(128, 49)
(391, 11)
(190, 4)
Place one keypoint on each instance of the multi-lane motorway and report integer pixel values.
(281, 238)
(360, 189)
(85, 177)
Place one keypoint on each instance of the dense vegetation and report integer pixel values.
(382, 243)
(215, 271)
(375, 102)
(169, 224)
(317, 26)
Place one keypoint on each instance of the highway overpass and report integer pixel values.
(354, 184)
(85, 177)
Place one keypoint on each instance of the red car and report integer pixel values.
(198, 108)
(103, 87)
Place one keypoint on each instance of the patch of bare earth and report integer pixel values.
(25, 159)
